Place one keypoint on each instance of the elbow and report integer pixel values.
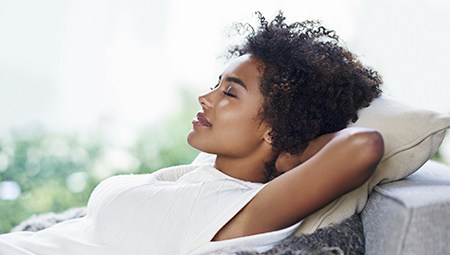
(368, 147)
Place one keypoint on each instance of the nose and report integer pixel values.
(205, 100)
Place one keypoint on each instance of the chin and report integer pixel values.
(200, 147)
(192, 141)
(201, 143)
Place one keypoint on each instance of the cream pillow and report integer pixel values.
(411, 137)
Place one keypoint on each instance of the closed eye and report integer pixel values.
(228, 92)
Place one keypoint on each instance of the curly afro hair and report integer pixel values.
(311, 84)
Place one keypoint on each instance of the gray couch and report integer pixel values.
(410, 216)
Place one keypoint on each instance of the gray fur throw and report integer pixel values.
(346, 237)
(45, 220)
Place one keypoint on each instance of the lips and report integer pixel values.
(202, 120)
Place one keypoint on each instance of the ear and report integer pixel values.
(267, 137)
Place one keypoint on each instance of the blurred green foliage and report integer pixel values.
(43, 171)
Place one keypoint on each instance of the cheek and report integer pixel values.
(241, 128)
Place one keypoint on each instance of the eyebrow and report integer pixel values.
(235, 80)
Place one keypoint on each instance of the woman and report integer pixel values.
(276, 121)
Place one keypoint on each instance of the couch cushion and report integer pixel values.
(411, 216)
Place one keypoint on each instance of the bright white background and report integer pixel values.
(69, 65)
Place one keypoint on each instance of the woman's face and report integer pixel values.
(228, 124)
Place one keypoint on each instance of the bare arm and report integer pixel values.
(330, 166)
(286, 162)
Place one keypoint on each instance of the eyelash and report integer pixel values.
(225, 92)
(228, 94)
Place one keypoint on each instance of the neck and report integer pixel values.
(249, 168)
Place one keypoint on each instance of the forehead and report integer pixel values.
(245, 63)
(246, 68)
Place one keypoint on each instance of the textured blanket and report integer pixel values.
(346, 237)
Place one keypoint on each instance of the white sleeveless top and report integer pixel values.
(176, 210)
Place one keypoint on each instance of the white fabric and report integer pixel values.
(176, 210)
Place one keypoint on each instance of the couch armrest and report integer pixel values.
(410, 216)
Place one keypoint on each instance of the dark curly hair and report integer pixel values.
(311, 84)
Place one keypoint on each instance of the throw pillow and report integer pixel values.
(411, 136)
